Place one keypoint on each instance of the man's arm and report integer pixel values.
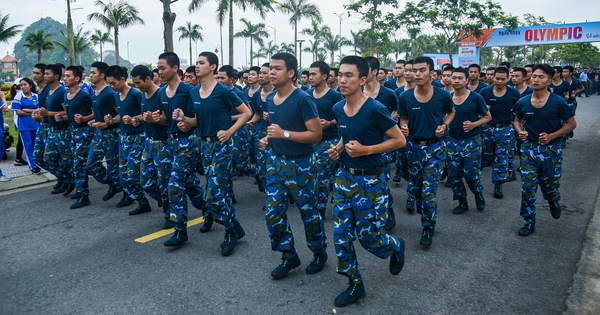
(312, 134)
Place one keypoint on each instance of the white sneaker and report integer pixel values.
(4, 178)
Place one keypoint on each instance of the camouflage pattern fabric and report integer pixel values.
(325, 167)
(39, 146)
(105, 145)
(497, 146)
(57, 155)
(464, 159)
(81, 138)
(130, 156)
(155, 169)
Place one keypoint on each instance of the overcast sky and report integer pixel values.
(146, 42)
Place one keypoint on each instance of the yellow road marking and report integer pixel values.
(159, 234)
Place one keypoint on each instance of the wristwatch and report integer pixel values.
(286, 134)
(447, 127)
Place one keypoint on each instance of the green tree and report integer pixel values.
(80, 40)
(299, 9)
(99, 37)
(7, 32)
(192, 33)
(116, 15)
(399, 46)
(579, 54)
(314, 47)
(39, 41)
(381, 26)
(269, 50)
(224, 6)
(333, 43)
(287, 47)
(254, 32)
(358, 42)
(316, 30)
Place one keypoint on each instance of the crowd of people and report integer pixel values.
(339, 133)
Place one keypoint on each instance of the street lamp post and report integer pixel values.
(339, 15)
(300, 41)
(274, 33)
(128, 51)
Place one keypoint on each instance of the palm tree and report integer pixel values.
(39, 41)
(287, 48)
(334, 43)
(260, 54)
(269, 50)
(192, 33)
(255, 32)
(358, 41)
(316, 30)
(7, 32)
(314, 47)
(99, 37)
(298, 9)
(116, 15)
(80, 41)
(224, 6)
(400, 45)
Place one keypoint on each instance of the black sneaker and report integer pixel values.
(69, 189)
(463, 206)
(239, 230)
(76, 195)
(426, 237)
(169, 224)
(178, 238)
(397, 259)
(286, 266)
(498, 191)
(555, 209)
(233, 200)
(228, 245)
(125, 201)
(511, 176)
(479, 201)
(112, 191)
(208, 222)
(37, 170)
(391, 222)
(82, 202)
(527, 229)
(353, 293)
(317, 263)
(143, 207)
(60, 189)
(448, 184)
(58, 184)
(444, 174)
(259, 183)
(410, 206)
(397, 178)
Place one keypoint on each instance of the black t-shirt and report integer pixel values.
(81, 104)
(388, 98)
(424, 118)
(471, 109)
(179, 100)
(152, 104)
(131, 106)
(105, 104)
(54, 103)
(501, 107)
(325, 108)
(560, 89)
(214, 112)
(43, 95)
(546, 119)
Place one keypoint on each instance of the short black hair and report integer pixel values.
(228, 71)
(30, 82)
(410, 62)
(336, 71)
(373, 62)
(528, 66)
(81, 68)
(56, 70)
(570, 68)
(305, 72)
(361, 64)
(255, 69)
(180, 73)
(323, 67)
(291, 63)
(444, 66)
(155, 70)
(505, 64)
(522, 70)
(474, 65)
(384, 70)
(461, 70)
(211, 57)
(427, 60)
(41, 66)
(61, 66)
(76, 71)
(266, 64)
(501, 70)
(402, 61)
(191, 69)
(490, 69)
(171, 58)
(116, 72)
(547, 69)
(141, 71)
(448, 68)
(558, 69)
(101, 66)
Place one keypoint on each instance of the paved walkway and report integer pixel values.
(21, 176)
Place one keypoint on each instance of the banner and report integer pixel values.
(440, 59)
(535, 35)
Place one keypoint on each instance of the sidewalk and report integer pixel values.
(21, 176)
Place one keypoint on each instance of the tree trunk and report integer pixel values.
(70, 46)
(251, 54)
(118, 59)
(168, 21)
(190, 62)
(296, 39)
(100, 51)
(39, 51)
(331, 58)
(230, 33)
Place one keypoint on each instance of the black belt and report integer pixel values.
(158, 138)
(210, 139)
(78, 126)
(61, 127)
(371, 171)
(499, 125)
(179, 135)
(294, 157)
(330, 137)
(426, 142)
(133, 133)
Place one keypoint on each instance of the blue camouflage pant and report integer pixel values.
(464, 159)
(57, 155)
(217, 159)
(401, 163)
(540, 165)
(426, 163)
(154, 169)
(261, 156)
(184, 154)
(295, 177)
(105, 145)
(241, 150)
(39, 146)
(325, 167)
(359, 208)
(497, 142)
(130, 156)
(80, 148)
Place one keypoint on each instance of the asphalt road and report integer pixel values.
(59, 261)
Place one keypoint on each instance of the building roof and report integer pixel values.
(8, 58)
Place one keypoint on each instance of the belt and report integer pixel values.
(294, 157)
(133, 133)
(78, 126)
(371, 171)
(180, 135)
(210, 139)
(498, 125)
(158, 138)
(426, 142)
(330, 137)
(61, 127)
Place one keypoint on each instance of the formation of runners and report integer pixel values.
(342, 133)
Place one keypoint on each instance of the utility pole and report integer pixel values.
(70, 35)
(339, 15)
(274, 33)
(300, 41)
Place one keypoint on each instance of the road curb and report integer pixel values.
(26, 181)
